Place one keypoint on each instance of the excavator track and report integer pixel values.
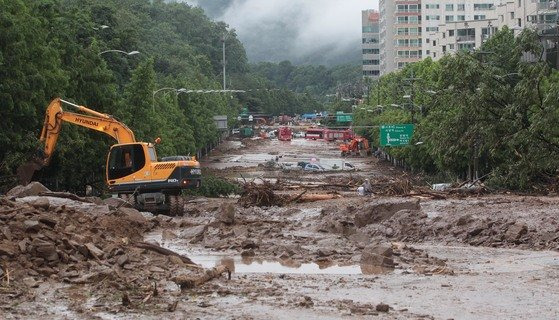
(176, 205)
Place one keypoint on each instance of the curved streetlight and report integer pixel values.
(131, 53)
(101, 27)
(165, 89)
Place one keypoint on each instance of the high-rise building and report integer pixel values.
(400, 31)
(412, 30)
(370, 43)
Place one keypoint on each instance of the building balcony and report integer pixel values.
(547, 6)
(466, 39)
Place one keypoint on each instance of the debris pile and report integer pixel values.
(401, 219)
(42, 240)
(260, 195)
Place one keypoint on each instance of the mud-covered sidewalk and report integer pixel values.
(401, 253)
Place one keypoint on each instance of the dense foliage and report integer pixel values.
(490, 112)
(54, 48)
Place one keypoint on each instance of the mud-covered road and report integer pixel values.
(403, 256)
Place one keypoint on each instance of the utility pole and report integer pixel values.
(378, 91)
(223, 45)
(411, 82)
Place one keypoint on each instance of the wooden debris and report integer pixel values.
(163, 251)
(190, 282)
(65, 195)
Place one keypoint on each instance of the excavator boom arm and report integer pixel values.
(97, 121)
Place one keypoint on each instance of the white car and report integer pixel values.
(299, 134)
(314, 167)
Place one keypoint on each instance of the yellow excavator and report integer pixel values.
(133, 172)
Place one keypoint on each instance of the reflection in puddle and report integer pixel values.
(239, 264)
(288, 266)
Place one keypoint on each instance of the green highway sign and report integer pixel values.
(394, 135)
(343, 117)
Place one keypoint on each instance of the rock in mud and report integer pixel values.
(378, 212)
(248, 253)
(226, 214)
(94, 251)
(41, 203)
(32, 226)
(7, 249)
(463, 220)
(248, 244)
(378, 255)
(382, 307)
(305, 302)
(515, 231)
(168, 235)
(32, 189)
(133, 215)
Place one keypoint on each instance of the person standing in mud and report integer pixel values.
(365, 188)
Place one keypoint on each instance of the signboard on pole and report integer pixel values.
(395, 135)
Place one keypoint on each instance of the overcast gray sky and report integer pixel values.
(304, 31)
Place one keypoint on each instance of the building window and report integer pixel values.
(451, 46)
(449, 7)
(461, 7)
(371, 51)
(370, 29)
(449, 18)
(479, 17)
(461, 18)
(451, 33)
(431, 6)
(466, 46)
(483, 6)
(371, 72)
(371, 62)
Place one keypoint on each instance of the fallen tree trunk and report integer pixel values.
(64, 195)
(317, 197)
(163, 251)
(190, 282)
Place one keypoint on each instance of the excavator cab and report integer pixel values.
(125, 160)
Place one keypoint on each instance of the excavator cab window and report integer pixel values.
(125, 160)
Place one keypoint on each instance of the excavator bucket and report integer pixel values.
(25, 171)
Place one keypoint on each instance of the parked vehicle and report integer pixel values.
(285, 134)
(333, 135)
(299, 134)
(314, 167)
(358, 146)
(314, 133)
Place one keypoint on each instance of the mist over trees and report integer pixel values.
(277, 33)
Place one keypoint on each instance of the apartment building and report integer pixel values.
(447, 26)
(370, 21)
(400, 33)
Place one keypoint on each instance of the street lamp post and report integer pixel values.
(131, 53)
(165, 89)
(223, 49)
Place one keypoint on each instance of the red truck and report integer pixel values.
(333, 135)
(285, 134)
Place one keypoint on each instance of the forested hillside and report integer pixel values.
(54, 48)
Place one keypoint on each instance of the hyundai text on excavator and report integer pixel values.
(132, 170)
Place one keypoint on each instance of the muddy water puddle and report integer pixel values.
(254, 265)
(240, 264)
